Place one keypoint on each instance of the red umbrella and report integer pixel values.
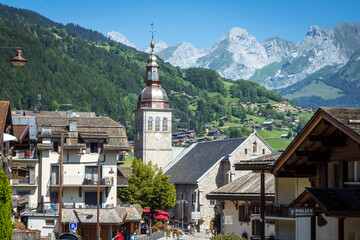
(161, 217)
(162, 212)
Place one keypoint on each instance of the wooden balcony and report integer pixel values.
(271, 210)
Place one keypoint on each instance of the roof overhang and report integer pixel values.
(240, 197)
(313, 143)
(336, 202)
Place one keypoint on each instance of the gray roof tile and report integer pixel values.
(200, 159)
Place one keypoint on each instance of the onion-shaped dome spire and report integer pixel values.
(153, 96)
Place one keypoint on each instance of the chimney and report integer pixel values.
(72, 126)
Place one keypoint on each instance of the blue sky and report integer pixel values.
(201, 22)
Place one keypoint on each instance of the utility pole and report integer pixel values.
(60, 181)
(262, 206)
(98, 202)
(182, 214)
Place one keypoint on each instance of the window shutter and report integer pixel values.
(253, 227)
(32, 176)
(240, 213)
(248, 215)
(99, 148)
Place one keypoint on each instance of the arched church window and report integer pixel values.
(150, 123)
(255, 147)
(157, 124)
(165, 124)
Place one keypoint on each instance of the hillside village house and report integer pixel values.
(241, 199)
(86, 139)
(6, 136)
(24, 172)
(318, 178)
(203, 168)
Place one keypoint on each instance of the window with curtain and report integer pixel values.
(165, 124)
(150, 123)
(55, 170)
(91, 173)
(157, 124)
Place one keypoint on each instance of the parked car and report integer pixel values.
(68, 236)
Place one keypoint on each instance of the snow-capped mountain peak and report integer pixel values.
(118, 37)
(314, 31)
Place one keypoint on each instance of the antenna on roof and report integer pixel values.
(38, 107)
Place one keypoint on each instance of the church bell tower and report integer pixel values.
(153, 135)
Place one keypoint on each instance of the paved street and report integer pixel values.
(196, 236)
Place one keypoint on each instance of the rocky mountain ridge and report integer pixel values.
(275, 63)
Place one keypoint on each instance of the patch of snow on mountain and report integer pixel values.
(317, 50)
(118, 37)
(159, 46)
(185, 55)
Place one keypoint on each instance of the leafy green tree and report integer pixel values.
(5, 208)
(239, 112)
(290, 135)
(149, 187)
(221, 123)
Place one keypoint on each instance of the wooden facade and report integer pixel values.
(327, 152)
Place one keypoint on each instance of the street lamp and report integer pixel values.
(182, 201)
(18, 60)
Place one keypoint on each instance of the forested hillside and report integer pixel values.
(72, 65)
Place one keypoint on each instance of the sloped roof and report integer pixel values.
(88, 127)
(264, 162)
(346, 121)
(200, 159)
(346, 117)
(125, 171)
(5, 116)
(122, 175)
(20, 131)
(333, 201)
(131, 213)
(244, 187)
(106, 216)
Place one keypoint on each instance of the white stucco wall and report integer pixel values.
(239, 227)
(74, 174)
(39, 223)
(329, 231)
(285, 229)
(303, 228)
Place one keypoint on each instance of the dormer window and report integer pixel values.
(55, 146)
(46, 131)
(93, 147)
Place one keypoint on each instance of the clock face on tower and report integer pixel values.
(157, 136)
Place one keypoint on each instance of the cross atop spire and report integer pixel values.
(152, 44)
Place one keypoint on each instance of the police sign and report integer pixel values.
(301, 212)
(73, 226)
